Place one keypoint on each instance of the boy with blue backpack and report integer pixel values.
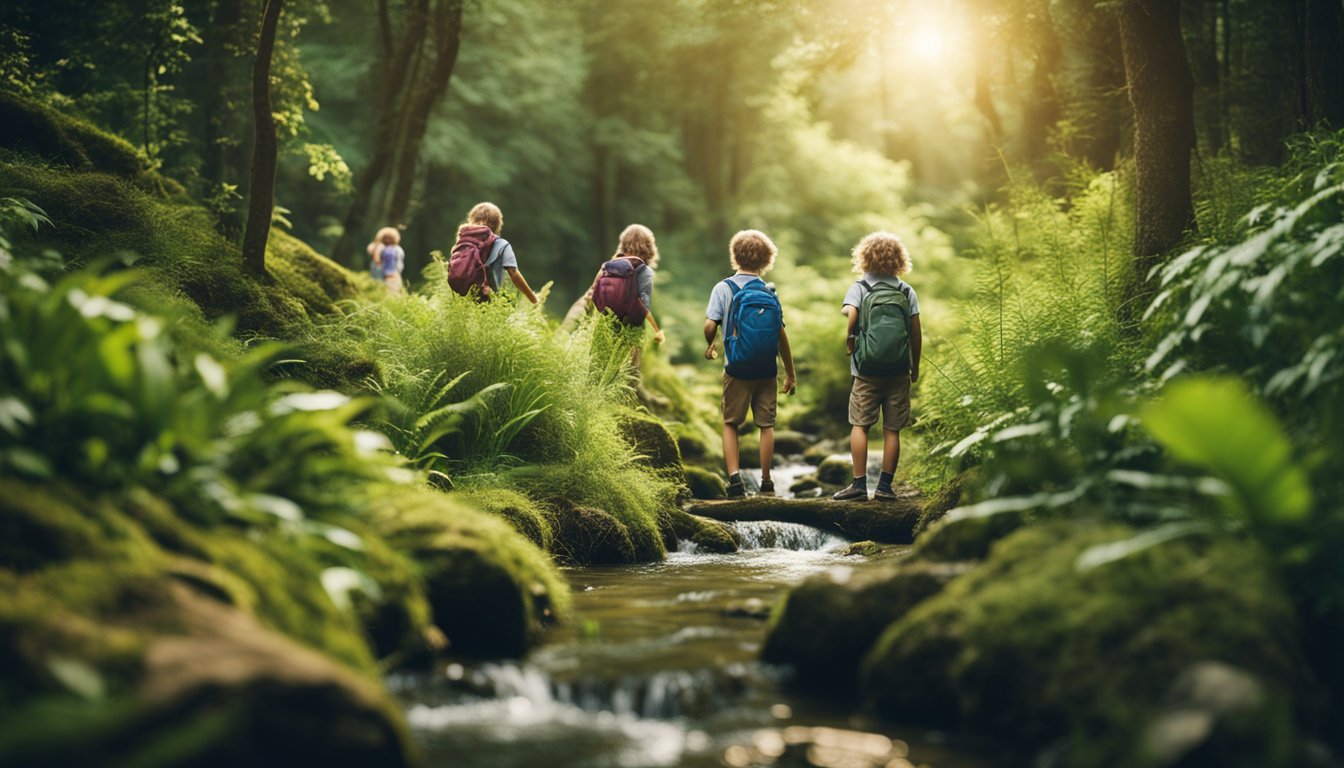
(884, 343)
(753, 336)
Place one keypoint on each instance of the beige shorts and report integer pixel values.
(871, 394)
(760, 394)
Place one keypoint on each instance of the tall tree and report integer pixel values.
(1161, 91)
(261, 200)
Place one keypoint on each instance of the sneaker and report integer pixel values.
(851, 493)
(885, 493)
(767, 488)
(736, 490)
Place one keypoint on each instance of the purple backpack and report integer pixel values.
(617, 290)
(466, 265)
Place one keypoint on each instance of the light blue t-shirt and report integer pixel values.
(722, 296)
(854, 297)
(501, 258)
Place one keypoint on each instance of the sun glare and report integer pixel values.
(928, 43)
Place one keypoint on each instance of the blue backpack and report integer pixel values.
(751, 330)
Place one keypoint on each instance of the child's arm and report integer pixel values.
(658, 336)
(520, 283)
(790, 381)
(711, 332)
(853, 314)
(916, 347)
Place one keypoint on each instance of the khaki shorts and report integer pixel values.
(760, 394)
(871, 394)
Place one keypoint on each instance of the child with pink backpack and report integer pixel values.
(624, 284)
(480, 258)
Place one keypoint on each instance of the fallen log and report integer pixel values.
(888, 522)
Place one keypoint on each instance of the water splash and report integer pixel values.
(769, 534)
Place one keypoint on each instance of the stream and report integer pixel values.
(659, 667)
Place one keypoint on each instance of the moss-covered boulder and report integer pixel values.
(749, 450)
(705, 483)
(805, 484)
(30, 128)
(835, 470)
(589, 536)
(820, 451)
(1039, 645)
(825, 625)
(790, 443)
(952, 494)
(491, 590)
(968, 533)
(707, 535)
(525, 515)
(652, 441)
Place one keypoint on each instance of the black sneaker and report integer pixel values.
(736, 490)
(851, 493)
(885, 493)
(767, 488)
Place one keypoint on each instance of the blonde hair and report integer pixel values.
(484, 215)
(881, 253)
(637, 240)
(375, 246)
(751, 250)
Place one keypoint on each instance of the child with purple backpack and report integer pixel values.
(624, 285)
(481, 258)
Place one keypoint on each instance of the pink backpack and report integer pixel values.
(617, 289)
(466, 265)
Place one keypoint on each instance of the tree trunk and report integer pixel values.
(1161, 92)
(261, 201)
(447, 44)
(390, 83)
(224, 152)
(1323, 62)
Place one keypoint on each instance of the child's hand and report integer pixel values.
(659, 337)
(790, 384)
(711, 352)
(849, 345)
(914, 375)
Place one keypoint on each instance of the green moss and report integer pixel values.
(835, 470)
(708, 535)
(705, 484)
(631, 495)
(491, 590)
(966, 535)
(525, 515)
(589, 536)
(951, 494)
(30, 128)
(652, 441)
(1030, 648)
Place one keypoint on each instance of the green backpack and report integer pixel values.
(883, 345)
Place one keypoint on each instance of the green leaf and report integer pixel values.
(1214, 423)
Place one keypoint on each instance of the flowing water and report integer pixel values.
(659, 667)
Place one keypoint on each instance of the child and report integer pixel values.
(753, 335)
(481, 257)
(884, 343)
(624, 284)
(388, 259)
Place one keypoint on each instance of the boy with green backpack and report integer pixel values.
(884, 343)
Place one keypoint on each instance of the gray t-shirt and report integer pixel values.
(722, 296)
(854, 297)
(501, 258)
(644, 284)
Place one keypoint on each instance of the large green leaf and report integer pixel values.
(1216, 424)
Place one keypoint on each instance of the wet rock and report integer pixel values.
(805, 484)
(819, 452)
(864, 548)
(590, 536)
(835, 470)
(790, 443)
(751, 608)
(826, 624)
(707, 535)
(1218, 715)
(705, 483)
(1033, 647)
(891, 522)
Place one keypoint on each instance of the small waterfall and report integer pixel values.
(769, 534)
(657, 696)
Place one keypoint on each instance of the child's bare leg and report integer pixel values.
(891, 450)
(858, 450)
(767, 451)
(730, 448)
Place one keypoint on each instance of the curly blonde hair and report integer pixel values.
(881, 253)
(637, 240)
(751, 250)
(484, 215)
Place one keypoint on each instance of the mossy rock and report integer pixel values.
(804, 484)
(790, 443)
(708, 535)
(891, 522)
(1032, 648)
(705, 484)
(967, 534)
(835, 470)
(823, 626)
(491, 590)
(749, 450)
(525, 515)
(1217, 715)
(950, 495)
(863, 549)
(821, 451)
(588, 536)
(652, 441)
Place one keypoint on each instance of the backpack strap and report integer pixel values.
(866, 285)
(497, 247)
(732, 286)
